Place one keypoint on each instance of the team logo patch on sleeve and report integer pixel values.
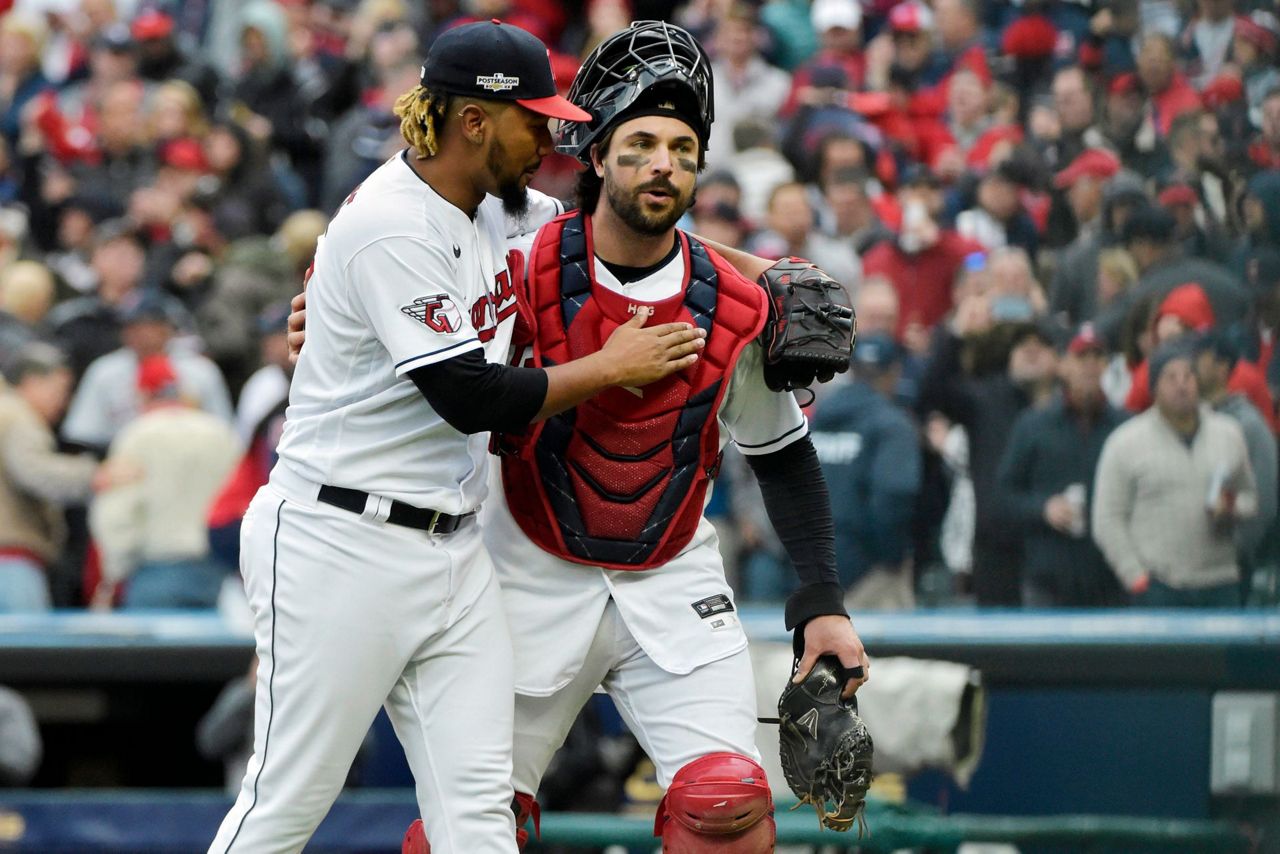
(437, 312)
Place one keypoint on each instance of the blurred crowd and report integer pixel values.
(1059, 222)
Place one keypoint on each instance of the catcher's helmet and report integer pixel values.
(645, 56)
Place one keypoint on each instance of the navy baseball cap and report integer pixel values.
(497, 61)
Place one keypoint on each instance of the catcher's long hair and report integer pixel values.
(422, 115)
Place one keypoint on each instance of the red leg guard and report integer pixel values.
(415, 840)
(524, 806)
(717, 803)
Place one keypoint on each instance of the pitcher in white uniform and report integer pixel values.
(362, 561)
(610, 574)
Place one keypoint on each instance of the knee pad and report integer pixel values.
(717, 803)
(524, 806)
(415, 839)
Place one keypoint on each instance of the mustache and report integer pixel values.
(664, 186)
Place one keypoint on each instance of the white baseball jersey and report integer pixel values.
(681, 613)
(402, 279)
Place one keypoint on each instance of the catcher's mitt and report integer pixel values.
(826, 748)
(811, 326)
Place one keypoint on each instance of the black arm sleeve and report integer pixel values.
(795, 497)
(475, 396)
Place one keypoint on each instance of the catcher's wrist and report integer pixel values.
(814, 600)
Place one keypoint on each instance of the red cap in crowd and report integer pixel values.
(1086, 340)
(1094, 163)
(184, 154)
(156, 375)
(1124, 84)
(1223, 89)
(1177, 194)
(910, 17)
(1032, 37)
(152, 25)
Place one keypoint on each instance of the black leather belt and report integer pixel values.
(431, 521)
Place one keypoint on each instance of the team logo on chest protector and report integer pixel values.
(437, 312)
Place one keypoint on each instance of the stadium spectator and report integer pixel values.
(998, 218)
(161, 60)
(36, 480)
(89, 327)
(1168, 93)
(960, 47)
(870, 454)
(838, 25)
(107, 398)
(1047, 472)
(1148, 235)
(1216, 358)
(924, 258)
(22, 37)
(1073, 101)
(791, 231)
(853, 217)
(153, 532)
(1186, 311)
(1171, 486)
(26, 294)
(1073, 293)
(745, 85)
(986, 406)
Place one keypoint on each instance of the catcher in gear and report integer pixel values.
(611, 576)
(825, 747)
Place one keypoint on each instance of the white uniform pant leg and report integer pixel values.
(453, 708)
(341, 606)
(322, 674)
(542, 723)
(676, 719)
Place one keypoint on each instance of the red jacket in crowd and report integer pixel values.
(922, 279)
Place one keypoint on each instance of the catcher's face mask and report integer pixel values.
(624, 68)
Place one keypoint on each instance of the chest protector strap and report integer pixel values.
(620, 480)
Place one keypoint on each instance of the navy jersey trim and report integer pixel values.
(437, 352)
(775, 439)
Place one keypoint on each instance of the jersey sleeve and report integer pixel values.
(408, 290)
(760, 421)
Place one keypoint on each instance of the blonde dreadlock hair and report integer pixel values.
(422, 114)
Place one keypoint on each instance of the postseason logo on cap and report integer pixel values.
(497, 82)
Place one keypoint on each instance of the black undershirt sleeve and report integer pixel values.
(796, 499)
(475, 396)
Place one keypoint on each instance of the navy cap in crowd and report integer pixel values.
(1149, 223)
(1168, 352)
(499, 62)
(143, 306)
(877, 351)
(1222, 343)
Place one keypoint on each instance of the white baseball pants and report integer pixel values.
(676, 719)
(350, 614)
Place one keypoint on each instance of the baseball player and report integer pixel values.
(362, 560)
(611, 576)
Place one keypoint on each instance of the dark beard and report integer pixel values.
(515, 200)
(630, 211)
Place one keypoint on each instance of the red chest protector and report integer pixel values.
(620, 480)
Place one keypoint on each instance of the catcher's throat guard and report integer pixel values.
(825, 747)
